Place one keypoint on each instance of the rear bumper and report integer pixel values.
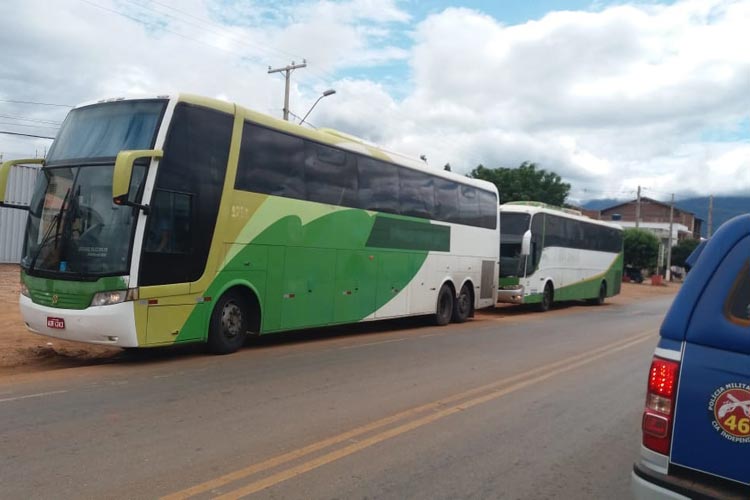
(644, 489)
(648, 485)
(514, 296)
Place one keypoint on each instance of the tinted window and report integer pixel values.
(446, 200)
(468, 202)
(378, 185)
(487, 209)
(275, 163)
(738, 305)
(103, 130)
(169, 223)
(271, 162)
(539, 236)
(191, 174)
(330, 175)
(416, 193)
(514, 224)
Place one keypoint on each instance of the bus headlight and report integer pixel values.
(25, 290)
(108, 298)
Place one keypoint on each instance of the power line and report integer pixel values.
(26, 135)
(154, 25)
(29, 126)
(20, 118)
(222, 31)
(37, 103)
(202, 23)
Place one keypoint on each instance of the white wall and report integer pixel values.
(13, 221)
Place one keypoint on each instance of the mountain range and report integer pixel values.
(725, 207)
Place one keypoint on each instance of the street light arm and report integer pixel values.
(324, 94)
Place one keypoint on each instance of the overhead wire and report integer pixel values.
(7, 132)
(217, 28)
(164, 28)
(13, 101)
(29, 126)
(20, 118)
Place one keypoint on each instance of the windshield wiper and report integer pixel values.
(55, 223)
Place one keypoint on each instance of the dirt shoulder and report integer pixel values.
(22, 351)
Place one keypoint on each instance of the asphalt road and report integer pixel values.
(524, 405)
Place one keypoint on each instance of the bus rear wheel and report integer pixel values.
(599, 299)
(547, 297)
(229, 323)
(462, 305)
(444, 308)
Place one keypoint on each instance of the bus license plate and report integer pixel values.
(57, 323)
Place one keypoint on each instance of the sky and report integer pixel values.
(609, 95)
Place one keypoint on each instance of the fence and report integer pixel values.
(13, 221)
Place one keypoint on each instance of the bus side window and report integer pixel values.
(169, 223)
(537, 243)
(378, 186)
(330, 175)
(737, 307)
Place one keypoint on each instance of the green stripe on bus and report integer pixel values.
(391, 232)
(69, 294)
(313, 274)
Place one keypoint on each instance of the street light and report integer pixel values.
(325, 94)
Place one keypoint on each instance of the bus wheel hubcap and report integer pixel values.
(231, 319)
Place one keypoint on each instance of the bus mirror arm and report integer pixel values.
(5, 175)
(123, 173)
(526, 243)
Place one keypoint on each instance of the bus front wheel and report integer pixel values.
(229, 323)
(444, 309)
(547, 297)
(462, 306)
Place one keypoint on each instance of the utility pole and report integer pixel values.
(638, 209)
(287, 73)
(710, 215)
(669, 246)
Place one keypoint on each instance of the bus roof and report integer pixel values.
(324, 135)
(534, 207)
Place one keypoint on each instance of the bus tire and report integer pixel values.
(599, 299)
(444, 307)
(463, 305)
(229, 323)
(548, 296)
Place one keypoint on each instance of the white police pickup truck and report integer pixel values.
(696, 424)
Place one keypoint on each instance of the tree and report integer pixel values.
(525, 183)
(682, 250)
(641, 248)
(447, 167)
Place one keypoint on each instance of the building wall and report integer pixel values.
(657, 212)
(13, 221)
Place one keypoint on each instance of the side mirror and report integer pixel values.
(5, 175)
(526, 243)
(124, 171)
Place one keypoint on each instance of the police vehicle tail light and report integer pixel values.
(660, 398)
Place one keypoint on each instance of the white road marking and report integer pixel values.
(29, 396)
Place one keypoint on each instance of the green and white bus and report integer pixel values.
(554, 254)
(185, 219)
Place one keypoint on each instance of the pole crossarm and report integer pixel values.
(287, 70)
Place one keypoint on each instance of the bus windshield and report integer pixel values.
(74, 230)
(73, 226)
(102, 130)
(512, 228)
